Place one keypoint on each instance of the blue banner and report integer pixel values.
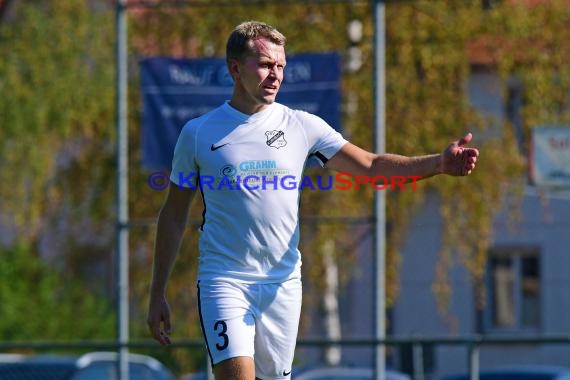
(177, 90)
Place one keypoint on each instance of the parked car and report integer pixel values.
(518, 373)
(325, 373)
(91, 366)
(345, 373)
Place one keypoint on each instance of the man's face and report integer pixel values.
(259, 76)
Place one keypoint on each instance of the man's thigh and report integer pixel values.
(276, 329)
(260, 321)
(227, 321)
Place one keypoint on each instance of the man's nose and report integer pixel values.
(274, 71)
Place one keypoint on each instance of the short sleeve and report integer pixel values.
(324, 142)
(184, 168)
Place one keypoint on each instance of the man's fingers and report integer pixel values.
(460, 160)
(469, 155)
(468, 167)
(465, 139)
(470, 152)
(158, 320)
(157, 332)
(161, 336)
(164, 339)
(167, 326)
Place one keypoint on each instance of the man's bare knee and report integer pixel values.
(240, 368)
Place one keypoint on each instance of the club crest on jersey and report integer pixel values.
(275, 139)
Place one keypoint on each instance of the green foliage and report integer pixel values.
(39, 303)
(469, 207)
(56, 116)
(56, 81)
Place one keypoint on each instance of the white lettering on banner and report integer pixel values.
(184, 113)
(224, 77)
(297, 72)
(195, 78)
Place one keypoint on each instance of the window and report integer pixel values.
(513, 285)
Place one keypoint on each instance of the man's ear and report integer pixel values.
(233, 67)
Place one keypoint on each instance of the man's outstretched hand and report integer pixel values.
(457, 159)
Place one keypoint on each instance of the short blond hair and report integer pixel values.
(238, 45)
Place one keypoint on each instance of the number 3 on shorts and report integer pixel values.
(222, 327)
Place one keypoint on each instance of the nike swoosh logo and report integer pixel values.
(213, 148)
(285, 373)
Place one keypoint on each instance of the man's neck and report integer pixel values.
(247, 108)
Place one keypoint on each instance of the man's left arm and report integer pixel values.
(456, 160)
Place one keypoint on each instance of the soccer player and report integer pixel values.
(249, 278)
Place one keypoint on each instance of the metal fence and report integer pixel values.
(473, 344)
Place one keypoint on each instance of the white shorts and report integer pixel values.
(256, 320)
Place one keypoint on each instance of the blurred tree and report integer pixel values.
(56, 193)
(40, 304)
(506, 34)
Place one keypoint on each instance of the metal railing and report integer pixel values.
(473, 344)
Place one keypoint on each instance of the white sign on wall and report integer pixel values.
(550, 156)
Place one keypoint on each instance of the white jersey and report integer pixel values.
(248, 168)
